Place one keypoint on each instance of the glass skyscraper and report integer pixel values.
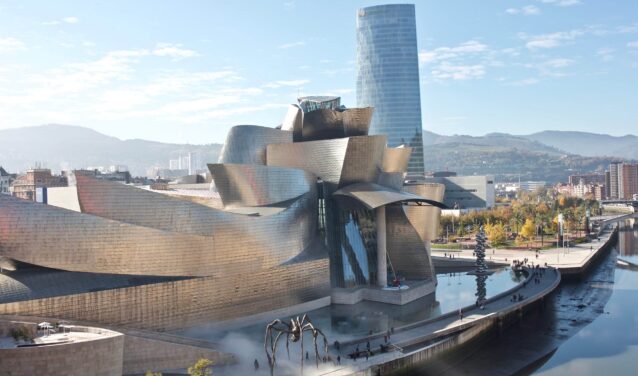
(388, 76)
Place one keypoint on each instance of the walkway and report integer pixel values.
(568, 260)
(421, 334)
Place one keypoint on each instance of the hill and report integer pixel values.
(503, 155)
(64, 146)
(589, 144)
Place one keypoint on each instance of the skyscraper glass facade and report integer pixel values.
(388, 76)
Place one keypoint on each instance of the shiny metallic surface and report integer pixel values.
(293, 122)
(246, 144)
(425, 219)
(291, 220)
(396, 159)
(256, 185)
(131, 231)
(408, 254)
(176, 304)
(322, 158)
(325, 124)
(373, 195)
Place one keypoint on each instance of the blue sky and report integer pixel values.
(185, 71)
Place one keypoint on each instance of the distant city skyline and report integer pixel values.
(187, 72)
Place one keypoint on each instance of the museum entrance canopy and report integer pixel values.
(373, 195)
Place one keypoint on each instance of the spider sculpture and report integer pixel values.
(293, 332)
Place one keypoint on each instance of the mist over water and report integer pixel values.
(342, 323)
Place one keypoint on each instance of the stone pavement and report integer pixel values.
(564, 259)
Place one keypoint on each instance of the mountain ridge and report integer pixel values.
(548, 155)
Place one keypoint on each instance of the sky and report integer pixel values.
(186, 71)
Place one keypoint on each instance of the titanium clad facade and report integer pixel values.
(177, 304)
(246, 144)
(255, 185)
(388, 76)
(406, 251)
(425, 219)
(298, 217)
(144, 244)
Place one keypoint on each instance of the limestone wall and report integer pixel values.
(101, 356)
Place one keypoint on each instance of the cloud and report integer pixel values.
(551, 40)
(526, 82)
(633, 44)
(444, 53)
(562, 3)
(558, 63)
(552, 67)
(68, 20)
(458, 72)
(11, 44)
(528, 10)
(606, 54)
(291, 45)
(280, 83)
(174, 51)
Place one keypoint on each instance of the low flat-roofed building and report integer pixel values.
(467, 192)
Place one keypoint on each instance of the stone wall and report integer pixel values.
(101, 357)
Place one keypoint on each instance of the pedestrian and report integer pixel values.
(339, 359)
(256, 364)
(368, 345)
(367, 355)
(307, 355)
(461, 314)
(337, 345)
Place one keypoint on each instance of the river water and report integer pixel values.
(609, 345)
(587, 327)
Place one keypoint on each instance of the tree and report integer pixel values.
(528, 230)
(496, 234)
(203, 367)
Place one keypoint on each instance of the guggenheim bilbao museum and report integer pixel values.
(314, 212)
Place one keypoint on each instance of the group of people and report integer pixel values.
(368, 352)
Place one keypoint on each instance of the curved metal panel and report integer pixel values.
(322, 158)
(396, 159)
(246, 144)
(322, 124)
(373, 195)
(406, 250)
(425, 219)
(293, 122)
(393, 180)
(255, 185)
(152, 234)
(363, 160)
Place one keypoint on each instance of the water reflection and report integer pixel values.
(343, 322)
(549, 339)
(627, 240)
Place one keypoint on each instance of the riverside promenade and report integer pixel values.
(572, 260)
(423, 340)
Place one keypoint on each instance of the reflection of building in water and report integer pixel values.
(628, 238)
